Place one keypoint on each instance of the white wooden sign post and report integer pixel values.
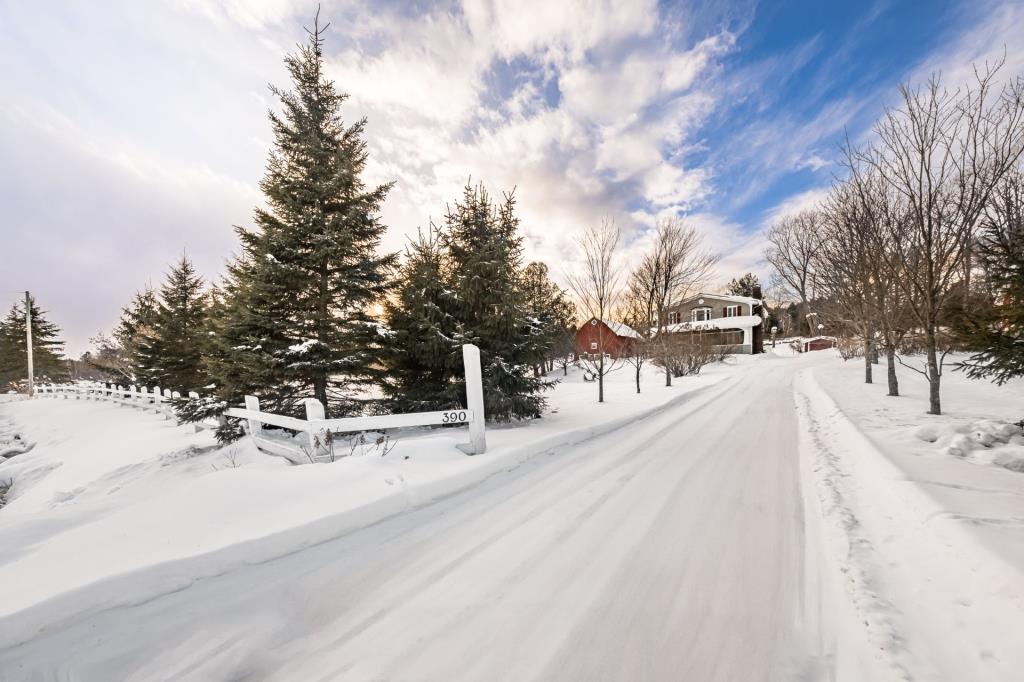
(474, 401)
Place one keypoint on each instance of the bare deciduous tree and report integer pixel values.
(636, 312)
(597, 288)
(794, 242)
(844, 266)
(677, 264)
(943, 152)
(885, 220)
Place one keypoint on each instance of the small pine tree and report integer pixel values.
(420, 360)
(992, 326)
(47, 348)
(171, 348)
(744, 286)
(136, 323)
(296, 310)
(549, 306)
(490, 305)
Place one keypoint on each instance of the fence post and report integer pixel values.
(474, 401)
(314, 411)
(253, 403)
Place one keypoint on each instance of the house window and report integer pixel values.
(700, 314)
(593, 345)
(732, 337)
(732, 311)
(673, 318)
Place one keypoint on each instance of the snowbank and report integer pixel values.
(985, 441)
(111, 490)
(934, 598)
(965, 459)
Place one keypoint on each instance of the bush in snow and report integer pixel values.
(193, 410)
(687, 359)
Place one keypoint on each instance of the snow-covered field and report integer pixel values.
(771, 519)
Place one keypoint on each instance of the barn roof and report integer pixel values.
(621, 329)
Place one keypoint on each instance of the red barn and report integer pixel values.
(616, 338)
(819, 343)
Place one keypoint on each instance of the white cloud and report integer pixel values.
(591, 109)
(251, 14)
(560, 31)
(802, 201)
(996, 35)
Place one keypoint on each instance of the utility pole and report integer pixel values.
(28, 343)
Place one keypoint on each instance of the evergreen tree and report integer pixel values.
(550, 307)
(744, 286)
(420, 360)
(48, 362)
(124, 352)
(171, 348)
(992, 325)
(296, 321)
(490, 305)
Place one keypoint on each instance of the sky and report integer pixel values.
(133, 132)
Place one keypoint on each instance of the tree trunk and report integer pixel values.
(890, 362)
(867, 360)
(934, 403)
(668, 375)
(638, 378)
(600, 380)
(320, 393)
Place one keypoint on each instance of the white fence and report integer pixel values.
(315, 426)
(141, 397)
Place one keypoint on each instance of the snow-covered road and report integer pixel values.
(671, 549)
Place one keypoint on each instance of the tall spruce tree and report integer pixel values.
(171, 348)
(489, 303)
(296, 321)
(47, 348)
(420, 360)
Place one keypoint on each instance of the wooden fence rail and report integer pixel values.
(141, 397)
(315, 425)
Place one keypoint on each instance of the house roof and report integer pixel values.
(737, 322)
(722, 297)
